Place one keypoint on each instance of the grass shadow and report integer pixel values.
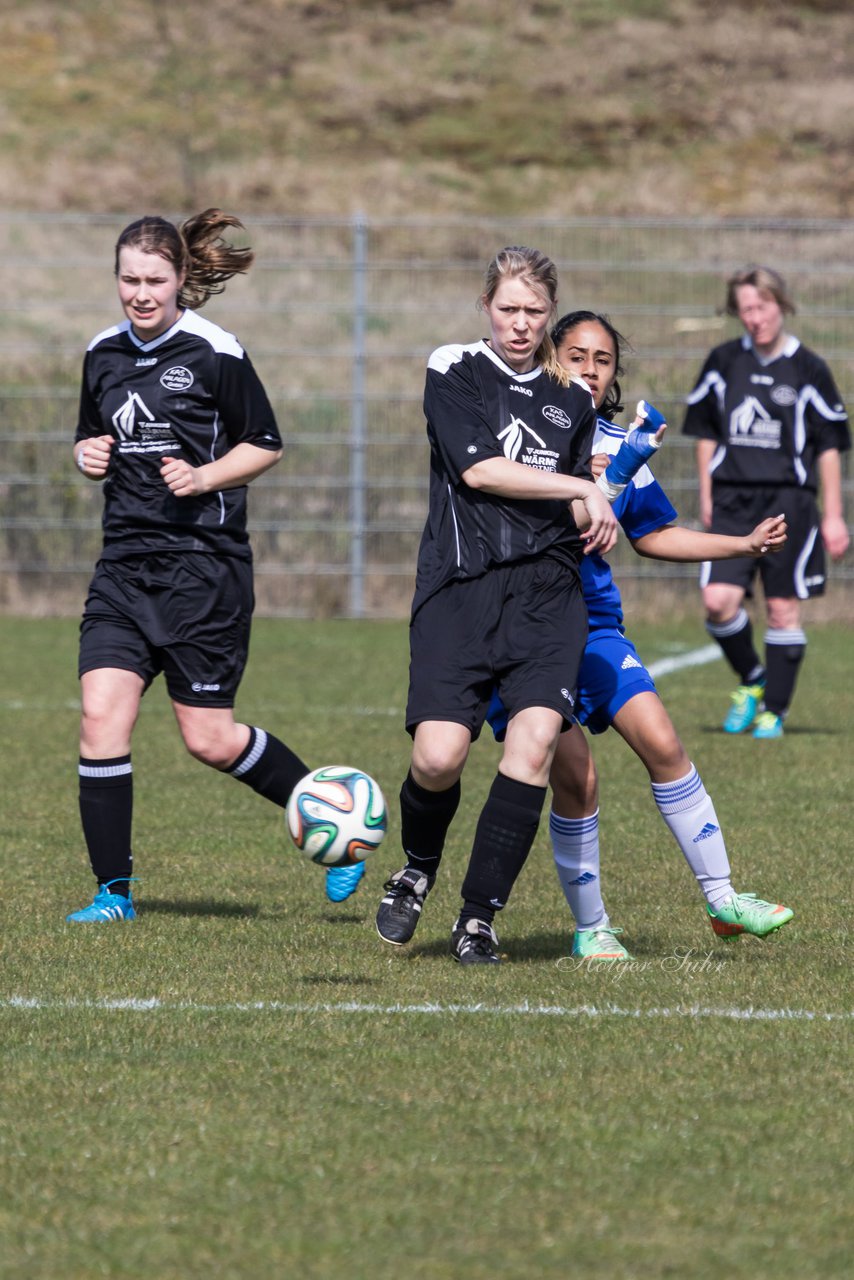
(198, 907)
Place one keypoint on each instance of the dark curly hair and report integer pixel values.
(611, 405)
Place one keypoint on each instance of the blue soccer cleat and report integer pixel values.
(745, 703)
(342, 882)
(105, 908)
(768, 725)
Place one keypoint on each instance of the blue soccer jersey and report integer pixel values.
(642, 507)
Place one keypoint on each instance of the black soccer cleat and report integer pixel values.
(400, 909)
(474, 942)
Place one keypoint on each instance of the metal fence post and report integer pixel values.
(357, 420)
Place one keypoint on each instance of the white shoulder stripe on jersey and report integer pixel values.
(221, 340)
(443, 357)
(108, 333)
(712, 382)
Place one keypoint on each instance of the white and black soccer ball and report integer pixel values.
(337, 815)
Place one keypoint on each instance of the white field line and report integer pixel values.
(694, 658)
(656, 1012)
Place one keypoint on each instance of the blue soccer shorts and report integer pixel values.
(610, 675)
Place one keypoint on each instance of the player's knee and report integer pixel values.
(438, 768)
(572, 796)
(209, 749)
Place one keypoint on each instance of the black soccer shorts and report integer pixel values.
(519, 628)
(187, 614)
(795, 572)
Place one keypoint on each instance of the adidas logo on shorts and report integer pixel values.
(629, 661)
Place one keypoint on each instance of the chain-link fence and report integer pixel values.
(339, 316)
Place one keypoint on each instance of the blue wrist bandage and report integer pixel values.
(637, 448)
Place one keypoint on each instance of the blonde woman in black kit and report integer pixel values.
(497, 598)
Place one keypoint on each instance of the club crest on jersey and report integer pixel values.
(784, 395)
(557, 416)
(177, 378)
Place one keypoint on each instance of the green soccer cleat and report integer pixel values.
(598, 944)
(745, 913)
(105, 908)
(742, 713)
(768, 725)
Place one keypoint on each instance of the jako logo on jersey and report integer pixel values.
(708, 830)
(564, 693)
(124, 419)
(177, 378)
(629, 661)
(513, 436)
(197, 687)
(784, 395)
(762, 379)
(523, 391)
(145, 362)
(557, 416)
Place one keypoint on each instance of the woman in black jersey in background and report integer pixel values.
(497, 598)
(770, 427)
(175, 422)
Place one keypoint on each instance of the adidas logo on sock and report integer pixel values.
(629, 661)
(584, 878)
(708, 830)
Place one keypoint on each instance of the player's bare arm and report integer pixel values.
(705, 453)
(92, 456)
(590, 509)
(241, 465)
(834, 530)
(673, 542)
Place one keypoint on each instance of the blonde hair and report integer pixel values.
(765, 280)
(195, 248)
(540, 274)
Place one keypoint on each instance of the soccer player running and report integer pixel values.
(175, 422)
(770, 428)
(616, 690)
(497, 598)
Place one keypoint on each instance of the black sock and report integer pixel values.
(268, 767)
(424, 820)
(505, 832)
(736, 640)
(106, 812)
(784, 653)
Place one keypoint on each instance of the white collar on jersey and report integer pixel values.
(484, 346)
(788, 348)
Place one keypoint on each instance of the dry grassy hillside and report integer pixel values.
(554, 107)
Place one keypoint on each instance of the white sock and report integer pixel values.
(689, 813)
(575, 842)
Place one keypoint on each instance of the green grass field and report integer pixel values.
(247, 1083)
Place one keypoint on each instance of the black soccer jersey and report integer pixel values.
(771, 418)
(477, 408)
(193, 393)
